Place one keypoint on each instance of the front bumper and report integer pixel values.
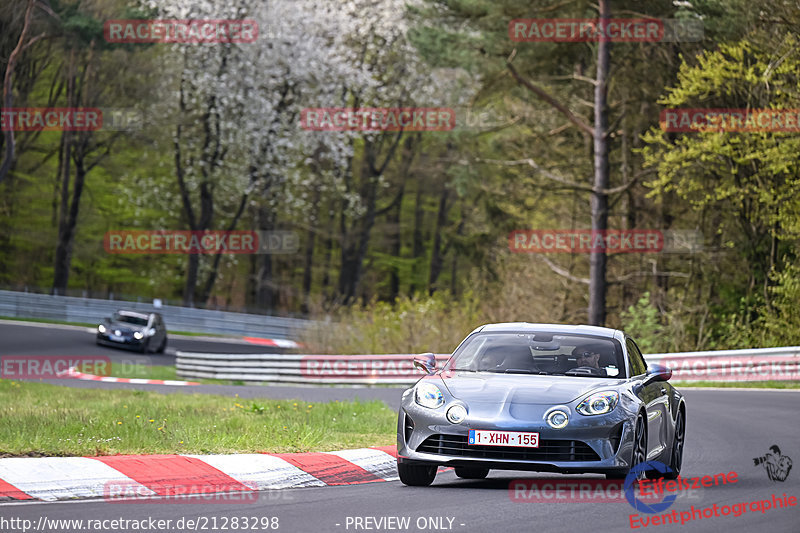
(597, 444)
(127, 341)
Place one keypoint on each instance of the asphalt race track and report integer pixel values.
(725, 431)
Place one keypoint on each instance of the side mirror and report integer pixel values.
(657, 373)
(425, 362)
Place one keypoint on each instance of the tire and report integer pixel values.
(145, 346)
(676, 457)
(416, 475)
(639, 450)
(472, 473)
(163, 346)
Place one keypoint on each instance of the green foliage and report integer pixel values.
(641, 322)
(411, 325)
(781, 320)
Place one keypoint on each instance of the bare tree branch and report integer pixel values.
(547, 97)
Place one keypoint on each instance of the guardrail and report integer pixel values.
(87, 310)
(391, 369)
(725, 365)
(758, 364)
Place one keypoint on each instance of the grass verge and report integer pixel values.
(46, 420)
(772, 384)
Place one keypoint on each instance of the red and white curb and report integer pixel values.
(69, 478)
(73, 373)
(279, 343)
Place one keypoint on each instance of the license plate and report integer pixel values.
(503, 438)
(116, 338)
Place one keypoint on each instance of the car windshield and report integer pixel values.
(129, 319)
(540, 353)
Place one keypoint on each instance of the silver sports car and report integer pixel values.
(540, 397)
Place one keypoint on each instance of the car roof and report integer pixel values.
(523, 327)
(133, 314)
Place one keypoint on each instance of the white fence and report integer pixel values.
(727, 365)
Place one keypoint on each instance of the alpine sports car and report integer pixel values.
(540, 397)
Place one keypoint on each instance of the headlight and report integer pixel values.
(557, 419)
(151, 332)
(101, 328)
(137, 335)
(599, 403)
(428, 395)
(456, 414)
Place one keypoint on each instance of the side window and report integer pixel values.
(638, 366)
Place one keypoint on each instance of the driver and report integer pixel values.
(589, 356)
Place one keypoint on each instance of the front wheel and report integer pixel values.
(639, 451)
(416, 475)
(676, 458)
(163, 346)
(472, 473)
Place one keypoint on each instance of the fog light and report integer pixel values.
(456, 414)
(557, 419)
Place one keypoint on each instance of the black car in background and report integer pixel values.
(145, 332)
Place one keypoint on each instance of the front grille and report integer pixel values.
(548, 450)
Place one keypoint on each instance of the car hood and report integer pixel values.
(484, 387)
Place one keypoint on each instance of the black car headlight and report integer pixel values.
(138, 335)
(101, 328)
(598, 403)
(428, 395)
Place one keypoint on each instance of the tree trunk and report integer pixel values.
(66, 225)
(417, 241)
(599, 202)
(437, 262)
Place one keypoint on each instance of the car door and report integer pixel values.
(654, 397)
